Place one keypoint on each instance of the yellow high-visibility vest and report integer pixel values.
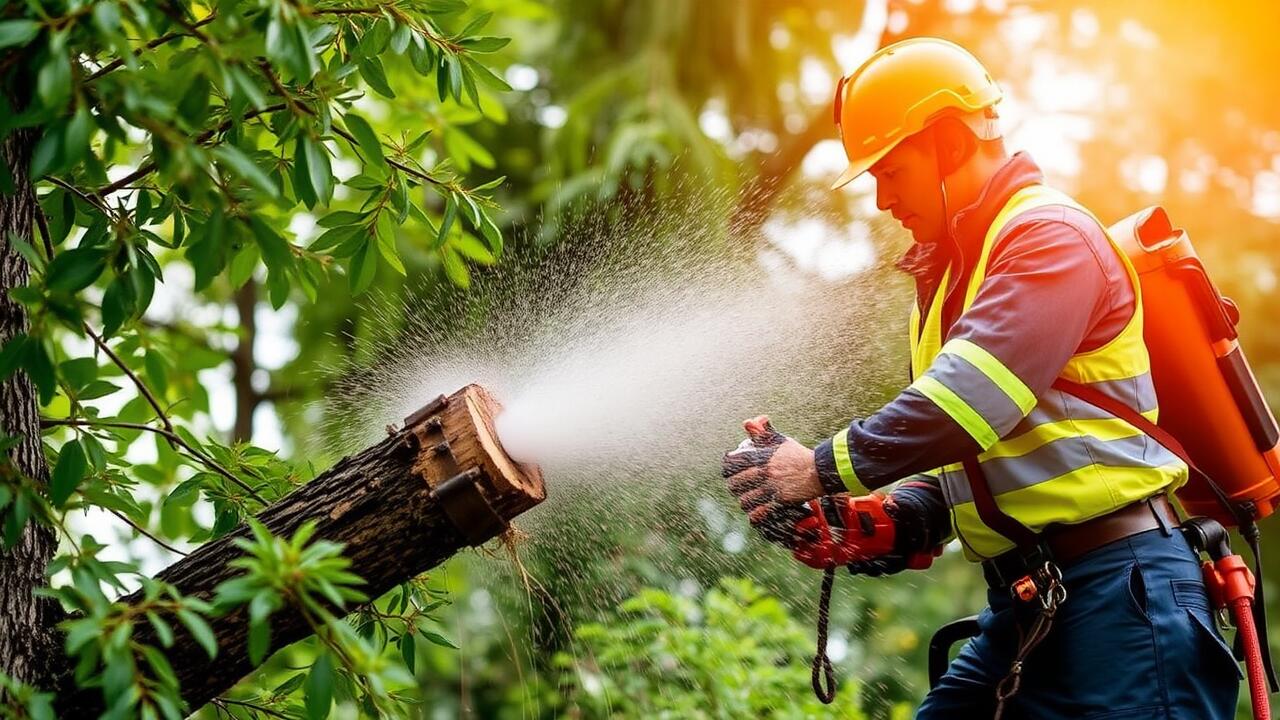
(1065, 461)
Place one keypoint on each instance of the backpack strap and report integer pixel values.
(1243, 517)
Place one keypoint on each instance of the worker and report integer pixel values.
(1096, 603)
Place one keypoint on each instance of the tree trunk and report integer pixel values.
(386, 504)
(28, 644)
(244, 362)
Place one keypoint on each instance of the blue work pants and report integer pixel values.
(1134, 640)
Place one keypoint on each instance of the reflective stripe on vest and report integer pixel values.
(1052, 459)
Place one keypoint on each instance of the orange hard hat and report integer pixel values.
(902, 88)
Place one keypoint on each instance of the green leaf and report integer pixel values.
(159, 664)
(186, 492)
(48, 155)
(12, 355)
(408, 650)
(472, 248)
(400, 39)
(75, 269)
(334, 237)
(386, 233)
(95, 452)
(16, 520)
(106, 15)
(320, 169)
(288, 686)
(40, 369)
(438, 639)
(76, 140)
(492, 235)
(486, 76)
(374, 40)
(450, 214)
(489, 185)
(53, 84)
(367, 140)
(117, 305)
(318, 688)
(454, 268)
(28, 253)
(242, 265)
(164, 631)
(301, 176)
(476, 23)
(246, 169)
(17, 32)
(68, 473)
(302, 55)
(97, 389)
(260, 609)
(455, 78)
(208, 255)
(485, 44)
(363, 265)
(275, 249)
(463, 148)
(200, 630)
(341, 217)
(278, 289)
(373, 74)
(157, 371)
(195, 101)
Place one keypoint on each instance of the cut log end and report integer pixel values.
(455, 436)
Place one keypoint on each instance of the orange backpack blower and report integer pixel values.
(1213, 415)
(1209, 398)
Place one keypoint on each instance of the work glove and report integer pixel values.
(773, 519)
(870, 535)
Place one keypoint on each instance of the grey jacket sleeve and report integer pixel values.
(1054, 285)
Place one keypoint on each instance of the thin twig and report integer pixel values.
(346, 11)
(174, 12)
(171, 436)
(144, 531)
(43, 224)
(137, 381)
(146, 168)
(98, 201)
(253, 706)
(169, 37)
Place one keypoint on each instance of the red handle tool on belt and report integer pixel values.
(1230, 585)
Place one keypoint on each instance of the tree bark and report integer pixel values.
(28, 643)
(384, 503)
(244, 362)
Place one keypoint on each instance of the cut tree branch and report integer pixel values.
(394, 506)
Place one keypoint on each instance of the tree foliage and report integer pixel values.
(180, 138)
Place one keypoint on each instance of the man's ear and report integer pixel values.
(954, 144)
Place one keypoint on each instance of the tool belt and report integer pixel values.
(1064, 544)
(1032, 573)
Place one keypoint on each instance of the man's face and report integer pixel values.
(908, 187)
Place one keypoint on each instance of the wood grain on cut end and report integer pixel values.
(484, 409)
(466, 425)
